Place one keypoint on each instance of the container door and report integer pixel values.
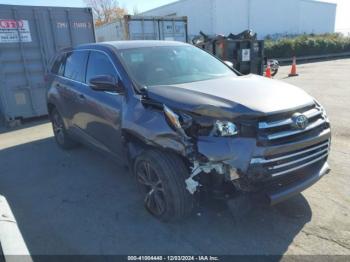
(29, 38)
(22, 63)
(173, 30)
(142, 29)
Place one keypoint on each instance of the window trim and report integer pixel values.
(64, 71)
(89, 50)
(63, 65)
(85, 84)
(58, 59)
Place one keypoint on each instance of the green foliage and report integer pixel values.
(306, 45)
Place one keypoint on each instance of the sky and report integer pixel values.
(142, 5)
(342, 19)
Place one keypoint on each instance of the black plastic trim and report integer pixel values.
(286, 192)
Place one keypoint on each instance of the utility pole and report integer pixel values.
(248, 13)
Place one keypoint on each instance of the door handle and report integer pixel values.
(81, 97)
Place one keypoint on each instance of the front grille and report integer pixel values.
(283, 181)
(281, 129)
(281, 164)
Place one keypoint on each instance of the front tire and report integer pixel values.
(162, 177)
(61, 136)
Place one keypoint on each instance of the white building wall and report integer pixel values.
(266, 17)
(231, 16)
(320, 21)
(282, 17)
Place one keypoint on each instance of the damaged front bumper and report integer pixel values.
(247, 162)
(278, 195)
(280, 171)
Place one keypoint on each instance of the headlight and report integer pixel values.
(199, 127)
(323, 111)
(225, 128)
(324, 114)
(172, 117)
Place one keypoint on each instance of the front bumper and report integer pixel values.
(291, 167)
(258, 163)
(276, 196)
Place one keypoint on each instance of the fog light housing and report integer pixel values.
(225, 128)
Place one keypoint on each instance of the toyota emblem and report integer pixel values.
(300, 121)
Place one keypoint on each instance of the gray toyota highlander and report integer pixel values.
(187, 124)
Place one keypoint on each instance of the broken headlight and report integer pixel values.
(172, 117)
(224, 128)
(199, 125)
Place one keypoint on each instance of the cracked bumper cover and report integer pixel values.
(237, 153)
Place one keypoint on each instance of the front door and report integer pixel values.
(101, 114)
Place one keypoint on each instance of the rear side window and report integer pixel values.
(58, 65)
(99, 64)
(75, 65)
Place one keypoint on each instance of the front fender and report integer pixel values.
(149, 125)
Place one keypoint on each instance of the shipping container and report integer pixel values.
(144, 28)
(29, 38)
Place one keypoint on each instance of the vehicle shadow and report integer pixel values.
(79, 202)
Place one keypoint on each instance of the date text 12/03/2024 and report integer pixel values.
(173, 258)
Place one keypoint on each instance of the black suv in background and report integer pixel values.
(187, 123)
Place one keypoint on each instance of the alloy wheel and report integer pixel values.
(154, 199)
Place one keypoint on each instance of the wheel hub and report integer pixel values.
(154, 199)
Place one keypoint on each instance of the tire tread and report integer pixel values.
(175, 172)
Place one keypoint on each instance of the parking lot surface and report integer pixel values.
(80, 202)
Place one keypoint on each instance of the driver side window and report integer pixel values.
(99, 64)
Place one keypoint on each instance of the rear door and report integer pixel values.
(72, 83)
(100, 116)
(57, 83)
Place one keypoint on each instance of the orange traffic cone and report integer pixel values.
(268, 70)
(293, 71)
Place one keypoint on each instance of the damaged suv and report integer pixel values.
(186, 123)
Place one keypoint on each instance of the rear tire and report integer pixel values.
(61, 136)
(162, 177)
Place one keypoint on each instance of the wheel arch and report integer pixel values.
(135, 146)
(50, 107)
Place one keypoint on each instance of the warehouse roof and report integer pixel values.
(179, 1)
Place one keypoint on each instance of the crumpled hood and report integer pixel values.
(232, 96)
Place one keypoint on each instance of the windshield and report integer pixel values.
(168, 65)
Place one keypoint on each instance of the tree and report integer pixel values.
(135, 10)
(105, 11)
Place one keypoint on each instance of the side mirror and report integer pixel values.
(105, 83)
(229, 64)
